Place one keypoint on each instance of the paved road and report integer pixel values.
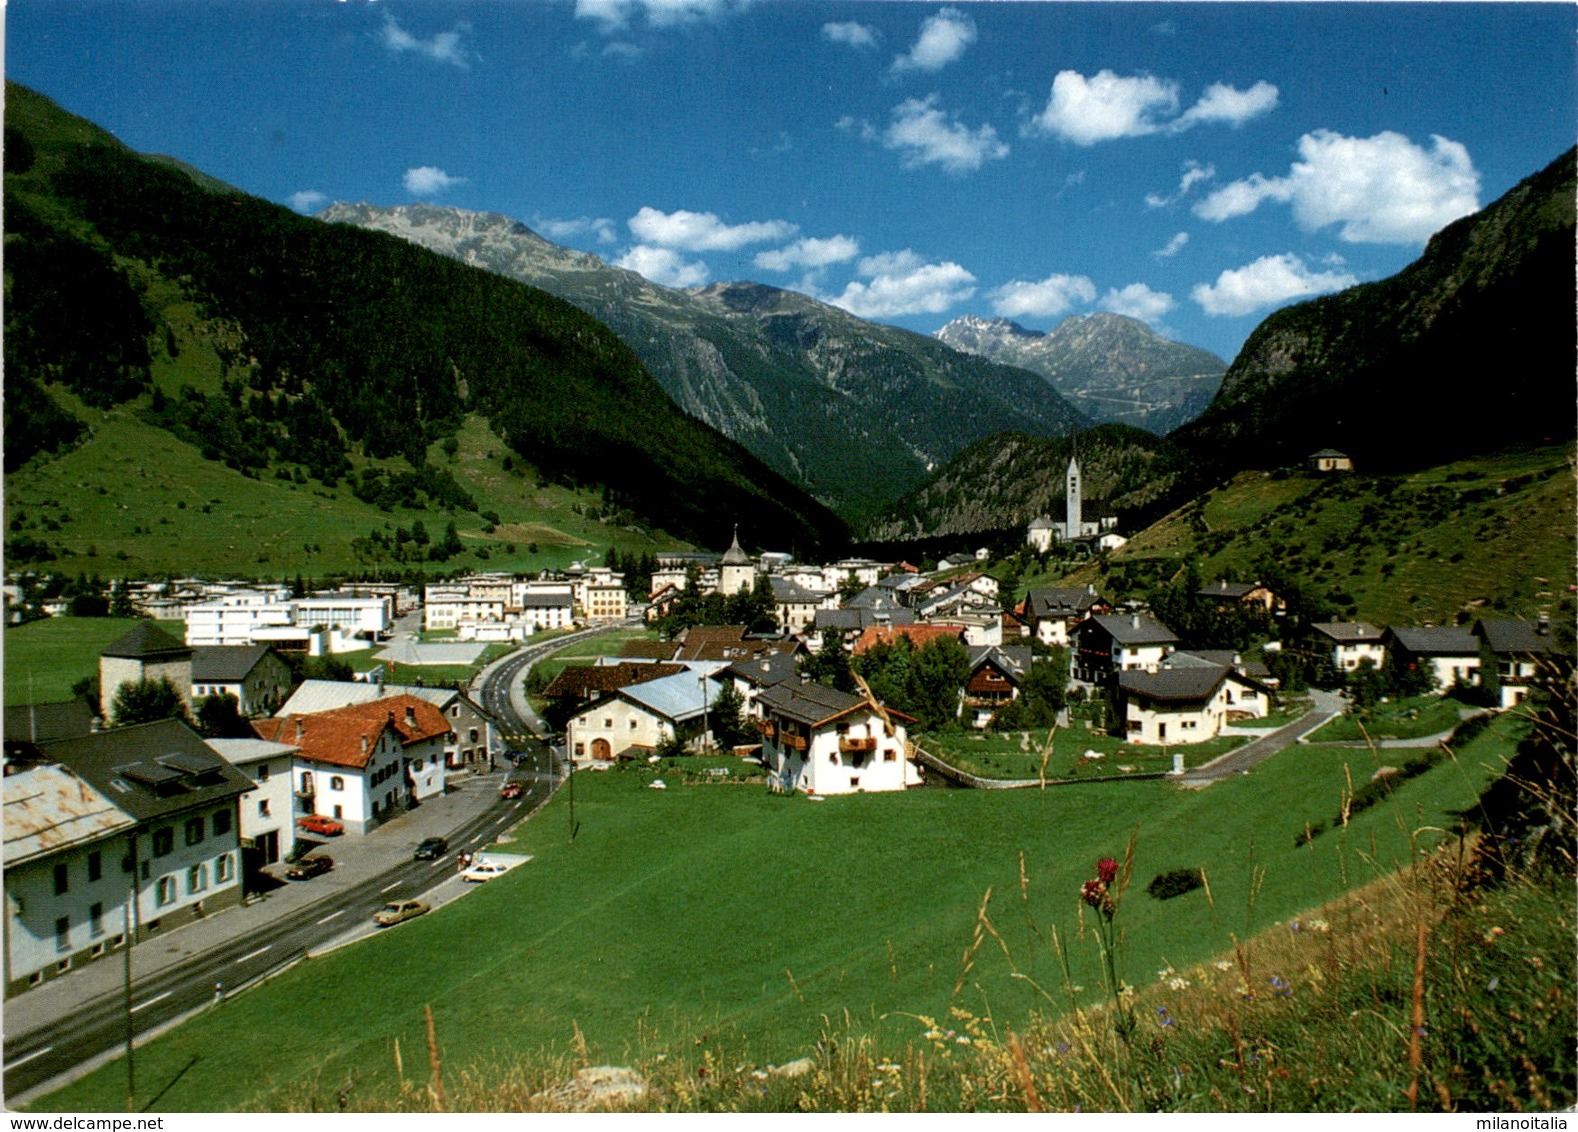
(70, 1025)
(1326, 706)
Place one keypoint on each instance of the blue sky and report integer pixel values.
(1194, 165)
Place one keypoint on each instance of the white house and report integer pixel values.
(637, 718)
(268, 823)
(364, 763)
(1186, 705)
(1351, 642)
(1449, 653)
(1512, 653)
(473, 733)
(819, 740)
(1109, 643)
(1052, 611)
(254, 674)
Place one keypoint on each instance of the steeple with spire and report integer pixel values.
(736, 569)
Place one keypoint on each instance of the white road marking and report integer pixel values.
(12, 1063)
(254, 954)
(151, 1001)
(475, 839)
(331, 916)
(438, 862)
(387, 887)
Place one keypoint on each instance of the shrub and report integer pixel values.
(1175, 882)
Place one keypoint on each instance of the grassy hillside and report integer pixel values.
(1471, 538)
(709, 927)
(135, 500)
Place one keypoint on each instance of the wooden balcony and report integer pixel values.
(794, 742)
(850, 746)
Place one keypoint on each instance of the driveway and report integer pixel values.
(1326, 705)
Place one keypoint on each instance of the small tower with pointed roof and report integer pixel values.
(147, 652)
(736, 569)
(1072, 527)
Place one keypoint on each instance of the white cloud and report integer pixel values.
(1046, 299)
(308, 200)
(943, 40)
(851, 33)
(616, 14)
(444, 46)
(902, 283)
(664, 266)
(426, 180)
(927, 136)
(600, 227)
(703, 231)
(1194, 173)
(1268, 282)
(1222, 103)
(1380, 190)
(1138, 301)
(619, 49)
(1172, 247)
(1108, 106)
(811, 252)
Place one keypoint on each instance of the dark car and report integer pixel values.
(309, 867)
(431, 849)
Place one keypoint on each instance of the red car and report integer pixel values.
(322, 826)
(511, 790)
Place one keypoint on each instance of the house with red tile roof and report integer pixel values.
(364, 763)
(918, 635)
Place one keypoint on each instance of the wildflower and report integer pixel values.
(1107, 870)
(1317, 926)
(1281, 986)
(1094, 893)
(1223, 964)
(1162, 1017)
(1177, 982)
(962, 1039)
(1164, 972)
(1125, 991)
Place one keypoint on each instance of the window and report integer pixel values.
(96, 920)
(221, 822)
(339, 811)
(855, 781)
(336, 783)
(889, 755)
(417, 765)
(262, 772)
(163, 841)
(223, 868)
(194, 831)
(196, 878)
(263, 810)
(62, 879)
(164, 893)
(634, 723)
(306, 782)
(95, 865)
(63, 934)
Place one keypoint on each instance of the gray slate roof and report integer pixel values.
(810, 704)
(789, 593)
(1175, 685)
(1012, 659)
(1059, 601)
(225, 664)
(146, 641)
(44, 723)
(1442, 640)
(765, 671)
(1512, 636)
(1132, 628)
(151, 769)
(1348, 632)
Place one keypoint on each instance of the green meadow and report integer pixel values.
(718, 917)
(43, 659)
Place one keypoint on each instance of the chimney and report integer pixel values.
(1543, 625)
(1136, 620)
(300, 728)
(364, 744)
(410, 716)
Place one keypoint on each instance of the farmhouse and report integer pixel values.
(1228, 595)
(822, 741)
(1511, 654)
(1052, 611)
(254, 674)
(1450, 653)
(1350, 643)
(1187, 704)
(1109, 643)
(1330, 460)
(995, 676)
(634, 720)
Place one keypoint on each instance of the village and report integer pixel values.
(122, 820)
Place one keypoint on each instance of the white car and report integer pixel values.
(483, 870)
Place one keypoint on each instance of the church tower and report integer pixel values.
(1071, 528)
(736, 570)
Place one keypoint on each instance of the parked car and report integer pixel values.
(309, 867)
(399, 911)
(322, 826)
(431, 849)
(483, 870)
(511, 790)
